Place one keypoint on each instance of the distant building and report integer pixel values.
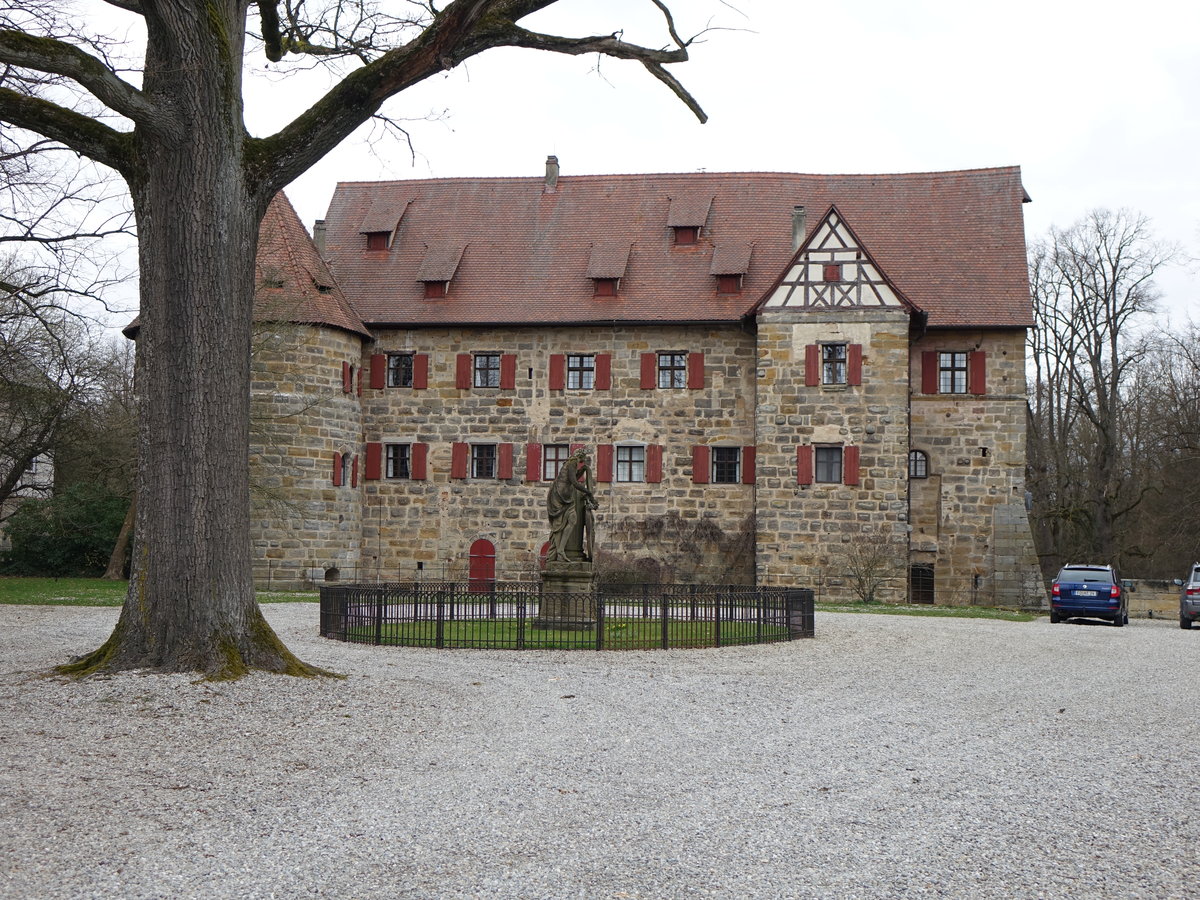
(35, 482)
(783, 379)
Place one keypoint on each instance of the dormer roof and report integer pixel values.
(951, 242)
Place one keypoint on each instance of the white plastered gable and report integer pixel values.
(832, 269)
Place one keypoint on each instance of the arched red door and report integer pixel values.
(483, 566)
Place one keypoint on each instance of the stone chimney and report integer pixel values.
(319, 235)
(798, 221)
(551, 174)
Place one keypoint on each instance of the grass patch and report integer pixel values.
(98, 592)
(619, 634)
(945, 612)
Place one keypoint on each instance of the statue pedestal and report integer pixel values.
(566, 602)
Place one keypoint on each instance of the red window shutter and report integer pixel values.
(653, 463)
(850, 465)
(508, 371)
(929, 372)
(416, 462)
(458, 460)
(378, 371)
(420, 371)
(700, 457)
(558, 371)
(354, 472)
(462, 372)
(804, 464)
(347, 380)
(533, 462)
(373, 469)
(359, 376)
(603, 371)
(749, 456)
(854, 364)
(649, 371)
(604, 462)
(695, 371)
(504, 461)
(812, 365)
(337, 470)
(977, 372)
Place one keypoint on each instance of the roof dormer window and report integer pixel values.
(729, 284)
(438, 268)
(378, 240)
(436, 290)
(605, 287)
(686, 235)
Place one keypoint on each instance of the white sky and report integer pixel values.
(1098, 102)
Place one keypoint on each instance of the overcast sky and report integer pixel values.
(1097, 102)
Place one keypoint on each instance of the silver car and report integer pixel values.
(1189, 599)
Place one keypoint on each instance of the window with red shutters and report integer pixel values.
(373, 468)
(804, 464)
(833, 271)
(700, 464)
(378, 371)
(533, 462)
(654, 463)
(850, 464)
(459, 454)
(812, 365)
(347, 378)
(462, 371)
(929, 372)
(749, 456)
(695, 371)
(854, 357)
(978, 372)
(604, 462)
(508, 371)
(419, 454)
(504, 461)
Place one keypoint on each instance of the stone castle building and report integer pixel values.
(791, 379)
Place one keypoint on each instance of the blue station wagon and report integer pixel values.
(1094, 592)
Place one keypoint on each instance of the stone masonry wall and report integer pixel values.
(969, 517)
(677, 528)
(305, 530)
(818, 535)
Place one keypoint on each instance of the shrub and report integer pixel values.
(71, 534)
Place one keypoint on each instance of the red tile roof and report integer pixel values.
(292, 282)
(953, 242)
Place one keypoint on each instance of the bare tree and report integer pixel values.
(871, 564)
(200, 185)
(1093, 291)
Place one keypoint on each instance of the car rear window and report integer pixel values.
(1098, 576)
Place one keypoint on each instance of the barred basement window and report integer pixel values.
(483, 460)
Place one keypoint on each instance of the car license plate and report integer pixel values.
(1085, 593)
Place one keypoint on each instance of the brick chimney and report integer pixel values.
(551, 174)
(319, 235)
(799, 217)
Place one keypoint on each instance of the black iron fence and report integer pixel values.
(521, 616)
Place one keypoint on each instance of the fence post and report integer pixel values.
(378, 618)
(800, 612)
(439, 639)
(521, 621)
(716, 618)
(692, 592)
(599, 600)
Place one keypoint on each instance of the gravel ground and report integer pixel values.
(890, 757)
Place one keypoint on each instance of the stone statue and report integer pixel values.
(570, 506)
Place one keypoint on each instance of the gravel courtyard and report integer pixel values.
(890, 757)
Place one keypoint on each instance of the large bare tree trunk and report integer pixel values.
(191, 603)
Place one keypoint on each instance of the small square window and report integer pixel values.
(828, 465)
(378, 240)
(435, 290)
(672, 370)
(604, 287)
(581, 371)
(833, 271)
(726, 468)
(686, 235)
(952, 373)
(487, 370)
(483, 460)
(553, 457)
(400, 370)
(398, 461)
(631, 463)
(729, 284)
(833, 363)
